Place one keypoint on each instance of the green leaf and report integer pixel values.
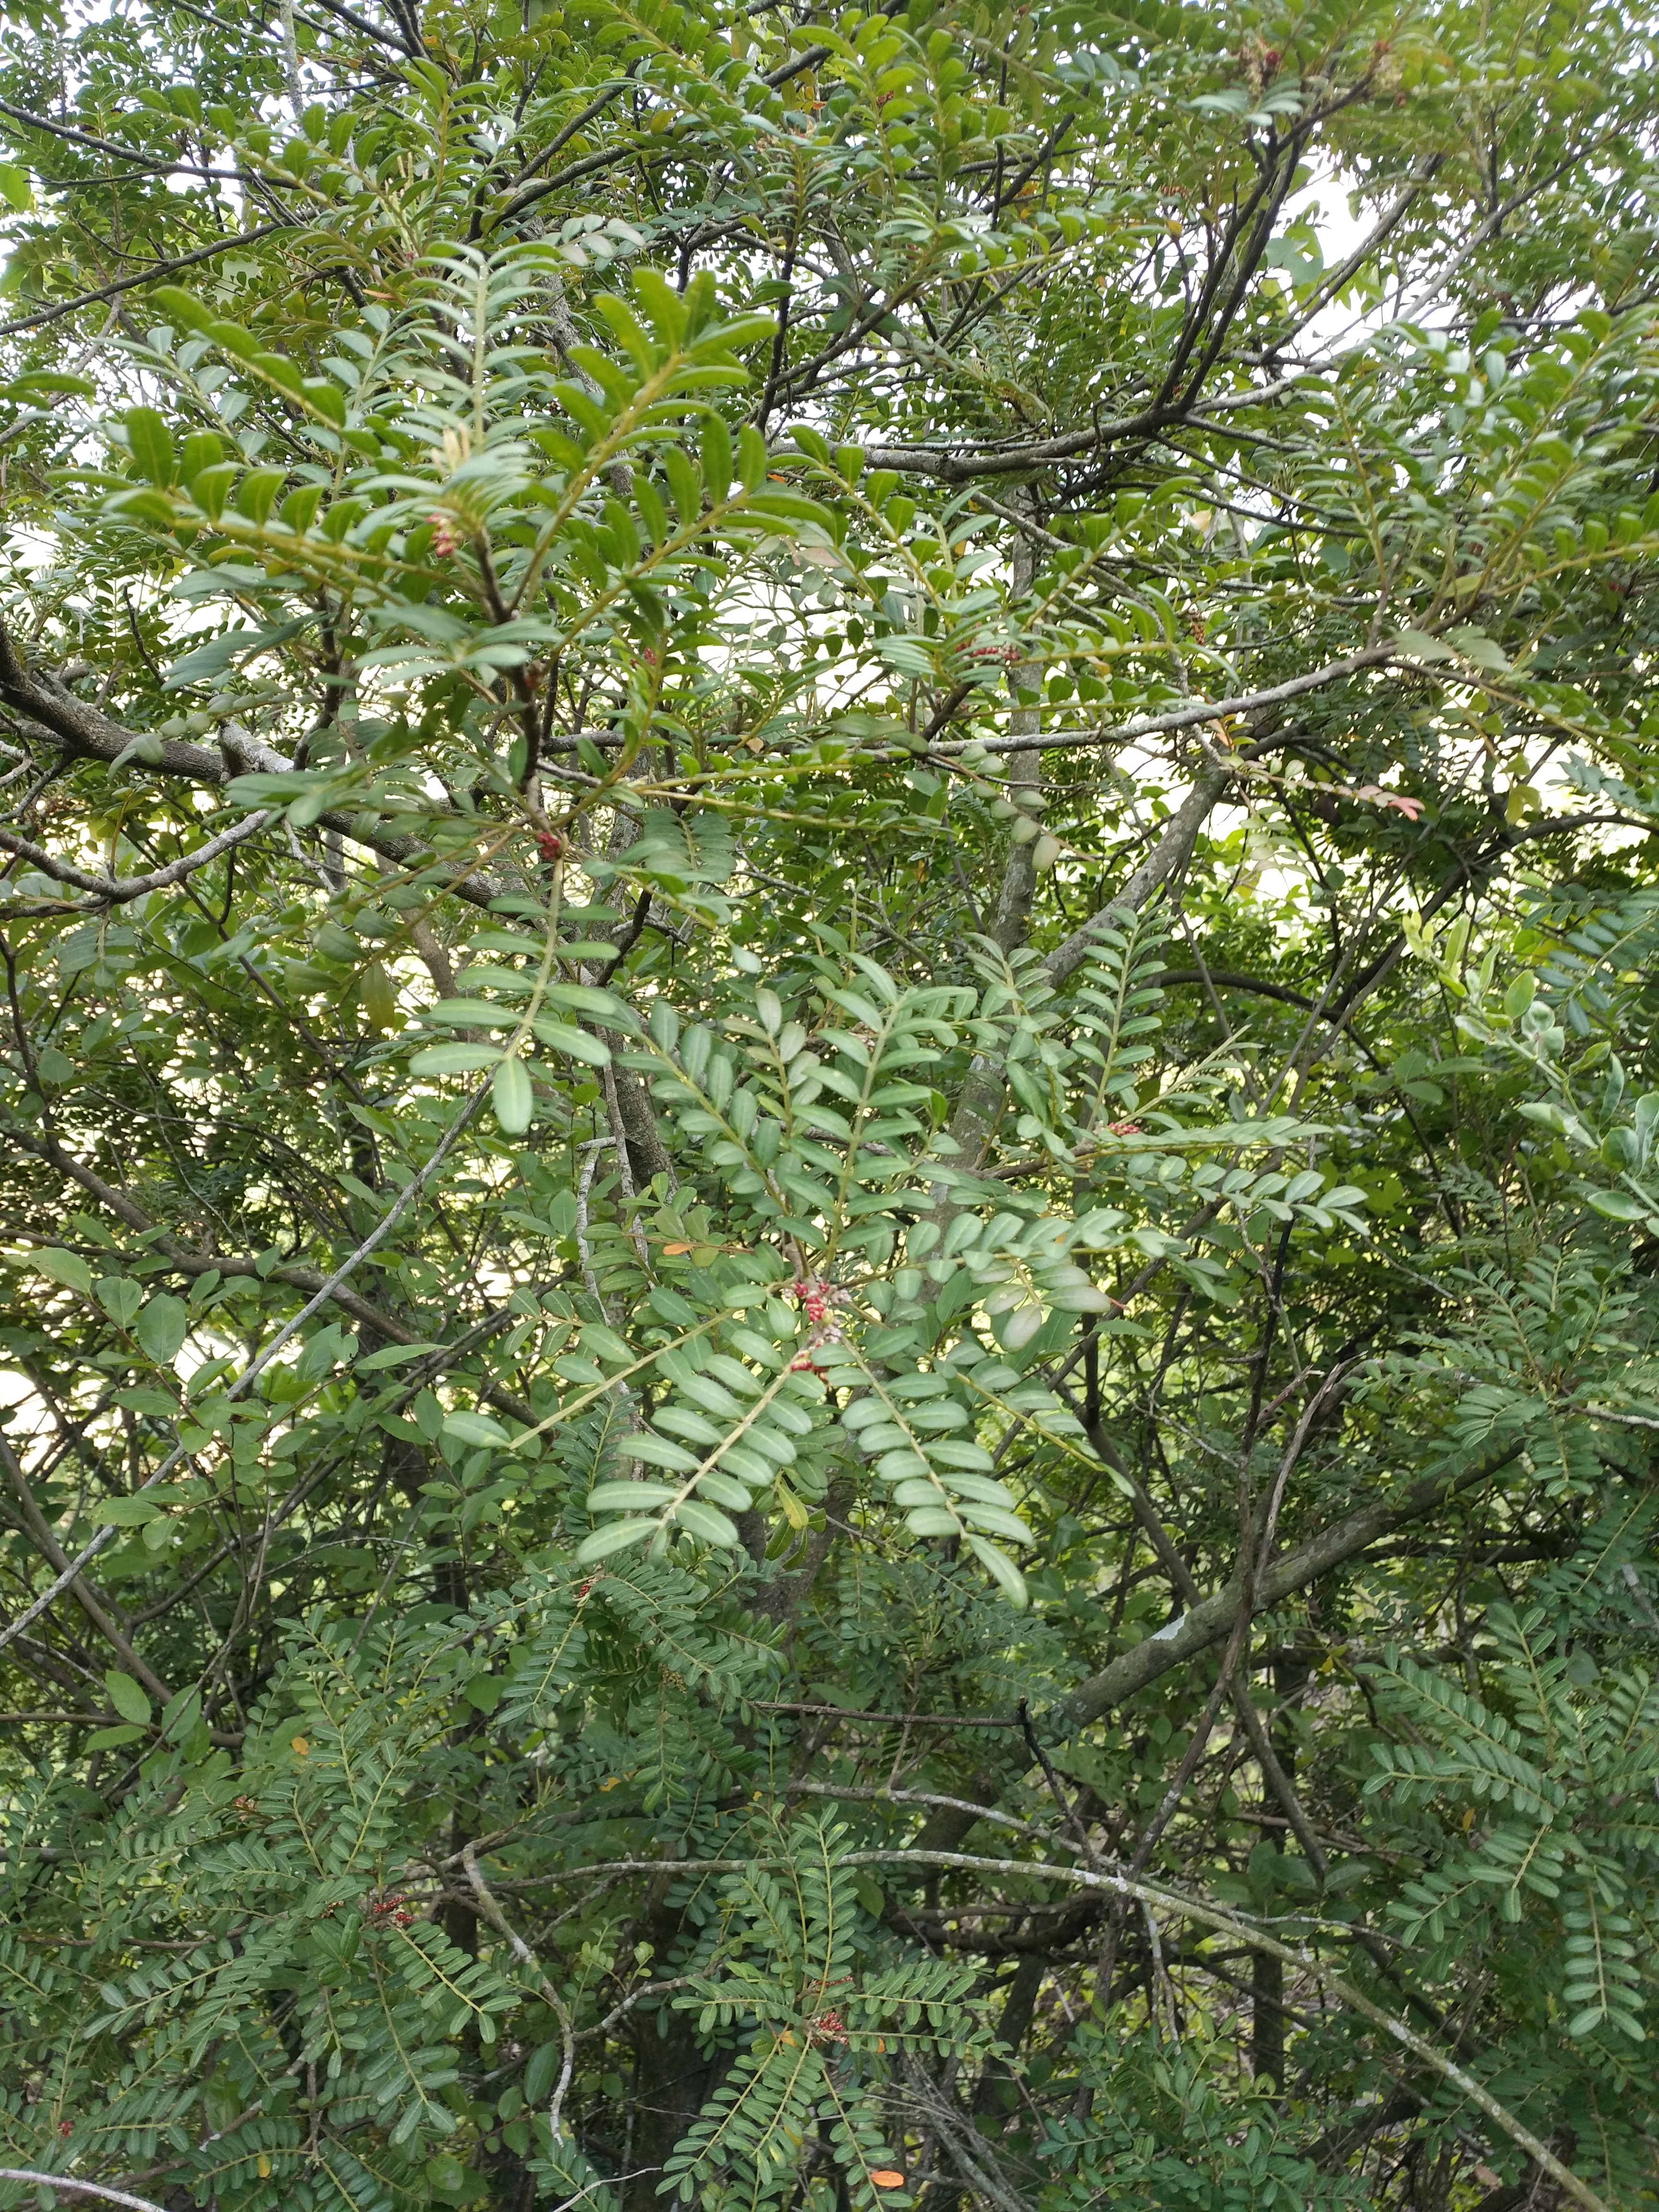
(1474, 645)
(1002, 1570)
(327, 399)
(58, 1266)
(588, 999)
(143, 506)
(629, 1497)
(207, 663)
(180, 308)
(473, 1013)
(658, 1451)
(511, 1097)
(751, 456)
(15, 189)
(475, 1429)
(709, 1522)
(541, 2071)
(615, 1537)
(1618, 1206)
(453, 1059)
(162, 1327)
(111, 1739)
(576, 1043)
(130, 1512)
(716, 456)
(151, 445)
(43, 383)
(255, 494)
(128, 1700)
(120, 1298)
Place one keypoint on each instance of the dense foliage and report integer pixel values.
(828, 1101)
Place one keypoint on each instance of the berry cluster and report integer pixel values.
(817, 1298)
(393, 1910)
(813, 1295)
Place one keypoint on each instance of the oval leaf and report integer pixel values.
(128, 1700)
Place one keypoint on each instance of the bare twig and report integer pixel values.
(256, 1367)
(76, 2187)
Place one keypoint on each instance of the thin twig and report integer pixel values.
(147, 275)
(77, 2187)
(256, 1366)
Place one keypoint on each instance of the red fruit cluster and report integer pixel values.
(549, 845)
(444, 540)
(394, 1909)
(1124, 1128)
(816, 1297)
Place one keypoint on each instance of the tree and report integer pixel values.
(827, 1189)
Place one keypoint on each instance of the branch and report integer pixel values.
(1304, 1962)
(589, 165)
(900, 1720)
(984, 1089)
(561, 138)
(250, 1373)
(839, 1792)
(522, 1952)
(1208, 1623)
(1191, 713)
(77, 2187)
(955, 464)
(117, 891)
(88, 733)
(1167, 858)
(1186, 1908)
(1336, 280)
(226, 244)
(344, 14)
(181, 1261)
(156, 164)
(41, 1530)
(1226, 979)
(1211, 1620)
